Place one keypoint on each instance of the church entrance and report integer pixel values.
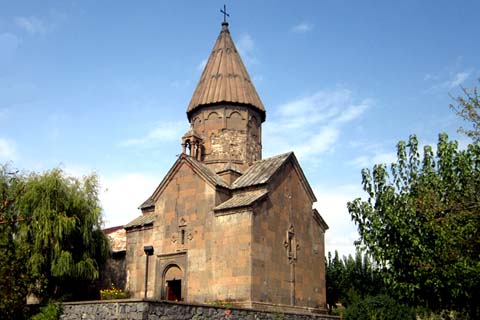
(174, 290)
(172, 281)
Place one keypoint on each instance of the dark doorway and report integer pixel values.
(174, 290)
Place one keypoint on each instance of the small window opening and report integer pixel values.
(290, 245)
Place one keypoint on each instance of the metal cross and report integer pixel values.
(225, 14)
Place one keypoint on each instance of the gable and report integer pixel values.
(196, 167)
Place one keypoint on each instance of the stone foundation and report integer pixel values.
(165, 310)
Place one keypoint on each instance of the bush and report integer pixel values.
(425, 314)
(379, 307)
(51, 311)
(113, 293)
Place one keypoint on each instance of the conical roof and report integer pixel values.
(225, 78)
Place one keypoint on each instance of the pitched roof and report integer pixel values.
(142, 220)
(242, 199)
(225, 78)
(261, 171)
(147, 203)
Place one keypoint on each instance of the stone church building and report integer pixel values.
(225, 225)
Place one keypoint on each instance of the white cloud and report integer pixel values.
(302, 27)
(378, 157)
(458, 79)
(245, 44)
(7, 149)
(121, 195)
(311, 125)
(246, 47)
(332, 206)
(453, 82)
(429, 77)
(202, 64)
(76, 170)
(32, 25)
(318, 143)
(37, 26)
(163, 131)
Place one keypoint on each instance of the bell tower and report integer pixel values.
(225, 112)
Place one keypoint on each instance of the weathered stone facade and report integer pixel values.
(229, 134)
(224, 224)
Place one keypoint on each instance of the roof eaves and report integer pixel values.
(141, 221)
(242, 200)
(319, 219)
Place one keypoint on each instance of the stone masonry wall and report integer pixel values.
(287, 272)
(163, 310)
(229, 133)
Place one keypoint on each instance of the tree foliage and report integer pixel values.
(379, 307)
(14, 279)
(421, 223)
(468, 108)
(52, 224)
(350, 279)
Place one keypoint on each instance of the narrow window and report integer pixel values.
(290, 245)
(183, 236)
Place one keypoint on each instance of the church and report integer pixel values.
(225, 225)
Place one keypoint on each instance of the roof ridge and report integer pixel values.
(277, 156)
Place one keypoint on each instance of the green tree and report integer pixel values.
(380, 307)
(350, 279)
(335, 272)
(53, 224)
(13, 274)
(468, 108)
(421, 224)
(362, 278)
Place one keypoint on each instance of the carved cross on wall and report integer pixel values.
(290, 244)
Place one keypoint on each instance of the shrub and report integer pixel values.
(51, 311)
(379, 307)
(113, 293)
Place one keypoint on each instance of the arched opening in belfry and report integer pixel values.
(172, 280)
(188, 147)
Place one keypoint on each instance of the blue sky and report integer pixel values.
(102, 86)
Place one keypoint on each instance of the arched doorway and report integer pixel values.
(172, 280)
